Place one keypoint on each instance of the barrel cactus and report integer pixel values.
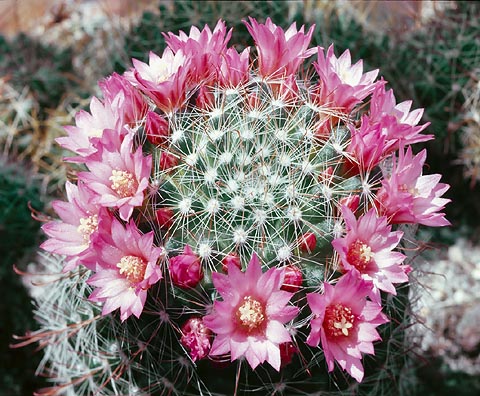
(235, 223)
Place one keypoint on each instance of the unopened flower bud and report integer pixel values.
(293, 279)
(231, 259)
(156, 128)
(307, 242)
(287, 350)
(167, 160)
(164, 217)
(185, 269)
(351, 202)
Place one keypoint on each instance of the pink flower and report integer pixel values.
(368, 146)
(164, 79)
(280, 53)
(185, 269)
(196, 338)
(117, 176)
(131, 103)
(344, 323)
(368, 247)
(74, 234)
(106, 115)
(250, 320)
(398, 124)
(233, 69)
(204, 49)
(342, 85)
(126, 268)
(408, 197)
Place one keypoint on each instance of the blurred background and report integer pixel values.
(53, 52)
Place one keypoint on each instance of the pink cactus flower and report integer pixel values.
(131, 103)
(73, 235)
(118, 176)
(368, 247)
(126, 268)
(234, 67)
(408, 197)
(205, 49)
(398, 123)
(280, 53)
(250, 320)
(164, 79)
(342, 85)
(196, 338)
(104, 115)
(185, 269)
(345, 322)
(368, 146)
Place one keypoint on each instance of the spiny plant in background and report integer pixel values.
(435, 64)
(244, 215)
(19, 236)
(34, 105)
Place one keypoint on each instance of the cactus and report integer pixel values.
(244, 215)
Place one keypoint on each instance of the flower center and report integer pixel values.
(360, 255)
(338, 321)
(87, 226)
(250, 313)
(411, 190)
(123, 183)
(133, 268)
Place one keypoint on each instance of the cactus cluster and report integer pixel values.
(244, 215)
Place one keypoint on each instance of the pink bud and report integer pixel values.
(164, 217)
(229, 259)
(293, 279)
(307, 242)
(196, 338)
(156, 128)
(185, 269)
(167, 160)
(351, 202)
(287, 350)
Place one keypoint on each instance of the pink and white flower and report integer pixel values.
(398, 123)
(368, 247)
(73, 235)
(407, 196)
(368, 146)
(280, 53)
(104, 115)
(126, 268)
(250, 320)
(117, 175)
(164, 79)
(345, 322)
(342, 85)
(131, 103)
(204, 49)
